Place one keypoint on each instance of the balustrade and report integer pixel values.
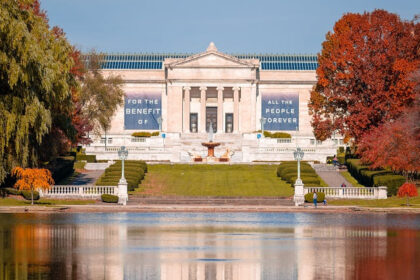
(339, 192)
(79, 191)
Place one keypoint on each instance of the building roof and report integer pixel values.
(155, 60)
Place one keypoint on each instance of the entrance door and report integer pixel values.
(229, 123)
(211, 116)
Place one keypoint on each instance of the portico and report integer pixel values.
(204, 105)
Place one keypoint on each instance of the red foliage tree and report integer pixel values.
(407, 190)
(363, 74)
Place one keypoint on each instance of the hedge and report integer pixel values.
(109, 198)
(145, 134)
(28, 196)
(134, 172)
(88, 158)
(288, 172)
(375, 177)
(12, 191)
(393, 182)
(277, 135)
(309, 197)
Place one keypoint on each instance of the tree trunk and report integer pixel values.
(32, 196)
(407, 201)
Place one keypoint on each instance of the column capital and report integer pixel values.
(203, 88)
(220, 88)
(187, 88)
(236, 88)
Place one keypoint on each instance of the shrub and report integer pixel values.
(145, 134)
(109, 198)
(341, 158)
(309, 197)
(12, 191)
(88, 158)
(277, 134)
(407, 190)
(393, 182)
(134, 172)
(27, 195)
(329, 160)
(340, 150)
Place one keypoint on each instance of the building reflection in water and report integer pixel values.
(44, 247)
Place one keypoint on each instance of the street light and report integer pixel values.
(262, 121)
(298, 154)
(122, 154)
(299, 191)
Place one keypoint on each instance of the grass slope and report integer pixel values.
(213, 180)
(390, 202)
(8, 201)
(351, 179)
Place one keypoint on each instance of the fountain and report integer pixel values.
(210, 145)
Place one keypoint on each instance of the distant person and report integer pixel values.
(335, 160)
(315, 199)
(343, 185)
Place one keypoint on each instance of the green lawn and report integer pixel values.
(351, 179)
(213, 180)
(390, 202)
(8, 201)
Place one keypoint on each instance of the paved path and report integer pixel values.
(333, 178)
(87, 177)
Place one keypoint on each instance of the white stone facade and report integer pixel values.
(213, 87)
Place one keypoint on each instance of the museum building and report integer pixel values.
(231, 97)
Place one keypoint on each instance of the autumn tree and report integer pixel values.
(100, 94)
(32, 179)
(407, 190)
(35, 85)
(363, 74)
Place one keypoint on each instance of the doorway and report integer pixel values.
(211, 117)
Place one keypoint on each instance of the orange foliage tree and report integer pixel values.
(32, 179)
(364, 74)
(407, 190)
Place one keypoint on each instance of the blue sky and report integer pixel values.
(236, 26)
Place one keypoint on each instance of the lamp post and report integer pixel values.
(299, 195)
(122, 184)
(262, 121)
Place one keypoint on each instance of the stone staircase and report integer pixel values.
(211, 200)
(191, 144)
(322, 167)
(96, 165)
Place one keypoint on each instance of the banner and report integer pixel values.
(142, 110)
(280, 111)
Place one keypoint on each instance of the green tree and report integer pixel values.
(100, 95)
(35, 83)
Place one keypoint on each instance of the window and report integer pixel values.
(229, 123)
(194, 122)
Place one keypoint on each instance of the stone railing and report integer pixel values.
(361, 193)
(74, 191)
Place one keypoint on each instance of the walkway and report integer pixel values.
(331, 176)
(86, 177)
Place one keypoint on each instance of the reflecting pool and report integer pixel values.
(209, 246)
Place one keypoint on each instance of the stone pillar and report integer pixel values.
(122, 192)
(299, 197)
(202, 121)
(220, 109)
(236, 109)
(186, 113)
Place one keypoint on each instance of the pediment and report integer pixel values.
(210, 59)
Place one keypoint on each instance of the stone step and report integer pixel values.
(133, 200)
(324, 167)
(96, 165)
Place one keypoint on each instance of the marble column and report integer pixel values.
(202, 121)
(220, 109)
(186, 116)
(236, 109)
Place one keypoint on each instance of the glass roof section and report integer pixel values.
(155, 61)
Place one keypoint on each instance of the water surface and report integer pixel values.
(209, 246)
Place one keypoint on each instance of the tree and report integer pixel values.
(100, 96)
(35, 84)
(32, 179)
(407, 190)
(394, 145)
(363, 74)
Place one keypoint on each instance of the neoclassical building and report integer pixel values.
(236, 96)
